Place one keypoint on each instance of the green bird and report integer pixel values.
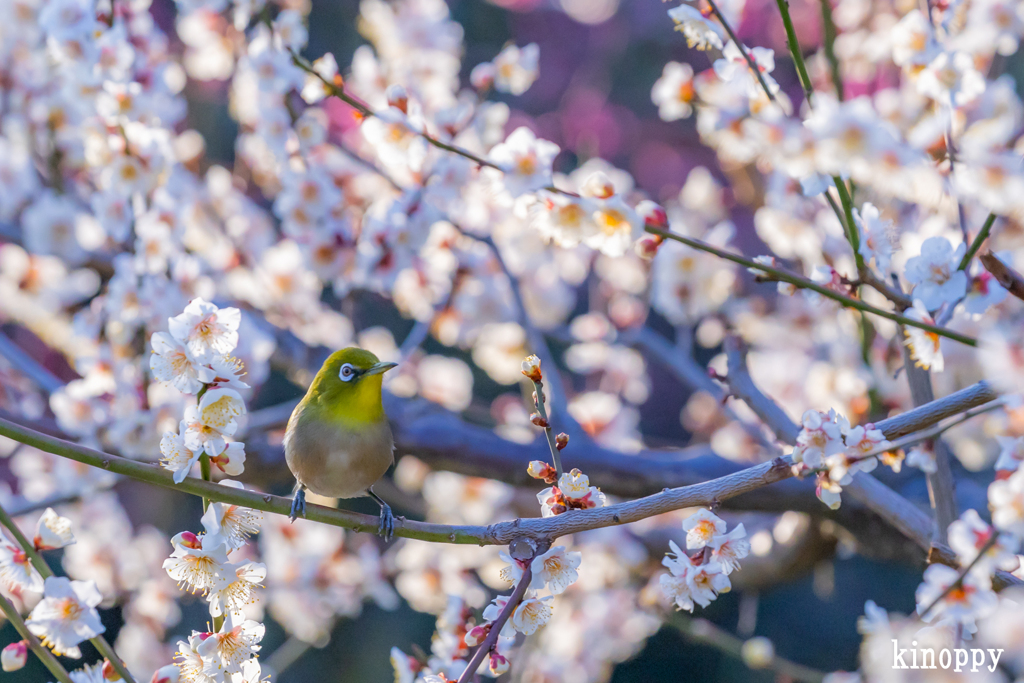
(338, 442)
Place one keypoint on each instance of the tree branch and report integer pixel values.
(48, 659)
(1009, 278)
(941, 486)
(804, 283)
(98, 641)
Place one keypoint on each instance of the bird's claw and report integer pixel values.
(386, 529)
(298, 504)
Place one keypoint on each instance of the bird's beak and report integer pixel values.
(380, 368)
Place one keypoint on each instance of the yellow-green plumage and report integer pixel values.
(338, 441)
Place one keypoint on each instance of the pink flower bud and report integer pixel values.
(167, 674)
(539, 469)
(653, 214)
(476, 635)
(647, 246)
(536, 419)
(190, 540)
(561, 441)
(482, 76)
(498, 664)
(14, 656)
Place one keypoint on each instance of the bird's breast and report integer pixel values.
(337, 462)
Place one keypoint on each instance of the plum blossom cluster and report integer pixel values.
(833, 449)
(119, 221)
(700, 574)
(458, 630)
(195, 358)
(64, 613)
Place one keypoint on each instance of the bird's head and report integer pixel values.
(349, 385)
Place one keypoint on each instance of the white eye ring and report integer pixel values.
(347, 372)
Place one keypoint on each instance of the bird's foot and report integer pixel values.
(386, 529)
(298, 504)
(387, 519)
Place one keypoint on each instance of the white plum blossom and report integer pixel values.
(515, 68)
(228, 650)
(701, 527)
(820, 437)
(52, 531)
(556, 568)
(1006, 498)
(234, 587)
(733, 67)
(950, 78)
(700, 32)
(673, 92)
(176, 456)
(531, 614)
(525, 161)
(206, 330)
(925, 347)
(66, 616)
(16, 569)
(172, 362)
(196, 561)
(875, 236)
(935, 274)
(728, 549)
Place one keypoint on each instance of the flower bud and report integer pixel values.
(109, 672)
(598, 186)
(498, 664)
(52, 531)
(758, 652)
(536, 419)
(14, 656)
(398, 98)
(167, 674)
(531, 368)
(562, 440)
(653, 214)
(476, 635)
(482, 76)
(647, 246)
(539, 469)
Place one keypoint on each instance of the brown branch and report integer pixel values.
(492, 636)
(1009, 278)
(941, 485)
(742, 386)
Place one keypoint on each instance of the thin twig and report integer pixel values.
(549, 434)
(362, 108)
(99, 642)
(48, 659)
(492, 636)
(794, 49)
(829, 42)
(804, 283)
(993, 539)
(979, 239)
(743, 50)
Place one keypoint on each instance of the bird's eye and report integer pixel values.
(347, 372)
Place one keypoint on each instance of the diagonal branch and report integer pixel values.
(99, 642)
(804, 283)
(48, 659)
